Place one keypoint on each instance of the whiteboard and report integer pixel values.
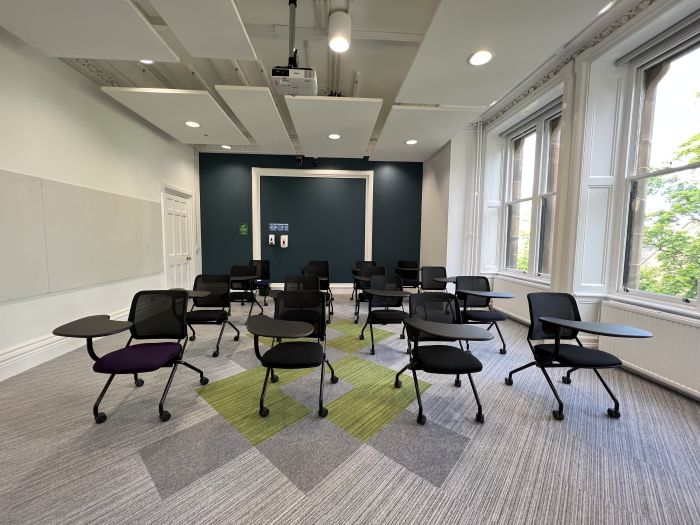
(57, 237)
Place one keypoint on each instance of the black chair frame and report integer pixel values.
(475, 301)
(383, 305)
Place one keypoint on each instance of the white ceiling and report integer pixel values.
(409, 56)
(169, 109)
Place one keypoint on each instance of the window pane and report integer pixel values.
(518, 243)
(546, 233)
(670, 121)
(554, 133)
(663, 235)
(523, 166)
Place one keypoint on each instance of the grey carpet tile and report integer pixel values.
(306, 389)
(431, 451)
(308, 451)
(180, 459)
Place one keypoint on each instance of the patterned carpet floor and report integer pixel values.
(217, 461)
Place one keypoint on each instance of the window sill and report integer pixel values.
(689, 312)
(522, 278)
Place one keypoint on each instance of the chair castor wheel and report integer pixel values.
(402, 336)
(558, 415)
(274, 378)
(479, 418)
(323, 412)
(361, 337)
(355, 321)
(100, 418)
(421, 419)
(458, 383)
(509, 381)
(164, 416)
(334, 379)
(615, 414)
(215, 354)
(264, 412)
(566, 380)
(236, 338)
(397, 383)
(203, 380)
(139, 382)
(192, 338)
(502, 351)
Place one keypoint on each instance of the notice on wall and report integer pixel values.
(243, 228)
(278, 227)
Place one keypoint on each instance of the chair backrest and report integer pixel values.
(321, 273)
(361, 264)
(439, 307)
(428, 273)
(262, 268)
(239, 271)
(369, 271)
(476, 283)
(159, 314)
(407, 270)
(217, 286)
(301, 282)
(386, 282)
(305, 306)
(551, 304)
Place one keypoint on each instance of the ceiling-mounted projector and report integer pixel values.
(292, 79)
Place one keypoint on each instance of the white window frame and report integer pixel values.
(539, 124)
(636, 70)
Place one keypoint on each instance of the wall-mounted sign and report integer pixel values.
(278, 227)
(243, 228)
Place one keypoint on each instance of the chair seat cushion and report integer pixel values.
(293, 354)
(206, 316)
(444, 359)
(133, 359)
(388, 316)
(487, 316)
(304, 316)
(574, 355)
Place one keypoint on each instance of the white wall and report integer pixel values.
(57, 125)
(434, 208)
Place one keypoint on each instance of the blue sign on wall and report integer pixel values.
(279, 227)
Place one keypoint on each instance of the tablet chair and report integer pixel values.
(477, 310)
(215, 308)
(262, 271)
(385, 308)
(408, 271)
(427, 274)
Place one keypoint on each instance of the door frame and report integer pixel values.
(168, 189)
(368, 177)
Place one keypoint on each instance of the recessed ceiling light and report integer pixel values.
(480, 58)
(334, 136)
(192, 124)
(411, 142)
(146, 61)
(606, 8)
(225, 146)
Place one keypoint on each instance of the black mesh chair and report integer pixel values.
(307, 307)
(215, 308)
(562, 306)
(156, 315)
(301, 283)
(427, 274)
(244, 291)
(322, 273)
(357, 270)
(262, 271)
(409, 273)
(478, 310)
(438, 307)
(384, 310)
(360, 296)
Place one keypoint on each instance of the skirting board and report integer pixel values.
(656, 378)
(17, 359)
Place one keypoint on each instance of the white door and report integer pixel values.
(178, 252)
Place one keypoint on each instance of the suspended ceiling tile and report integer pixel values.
(431, 127)
(169, 109)
(256, 109)
(317, 117)
(100, 29)
(207, 28)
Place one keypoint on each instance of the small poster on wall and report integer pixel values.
(243, 228)
(278, 227)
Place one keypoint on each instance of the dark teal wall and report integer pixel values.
(225, 202)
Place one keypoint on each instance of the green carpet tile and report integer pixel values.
(351, 343)
(237, 399)
(374, 402)
(346, 326)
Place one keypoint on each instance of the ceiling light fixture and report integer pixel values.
(192, 124)
(225, 146)
(411, 142)
(334, 136)
(339, 31)
(146, 61)
(606, 8)
(481, 57)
